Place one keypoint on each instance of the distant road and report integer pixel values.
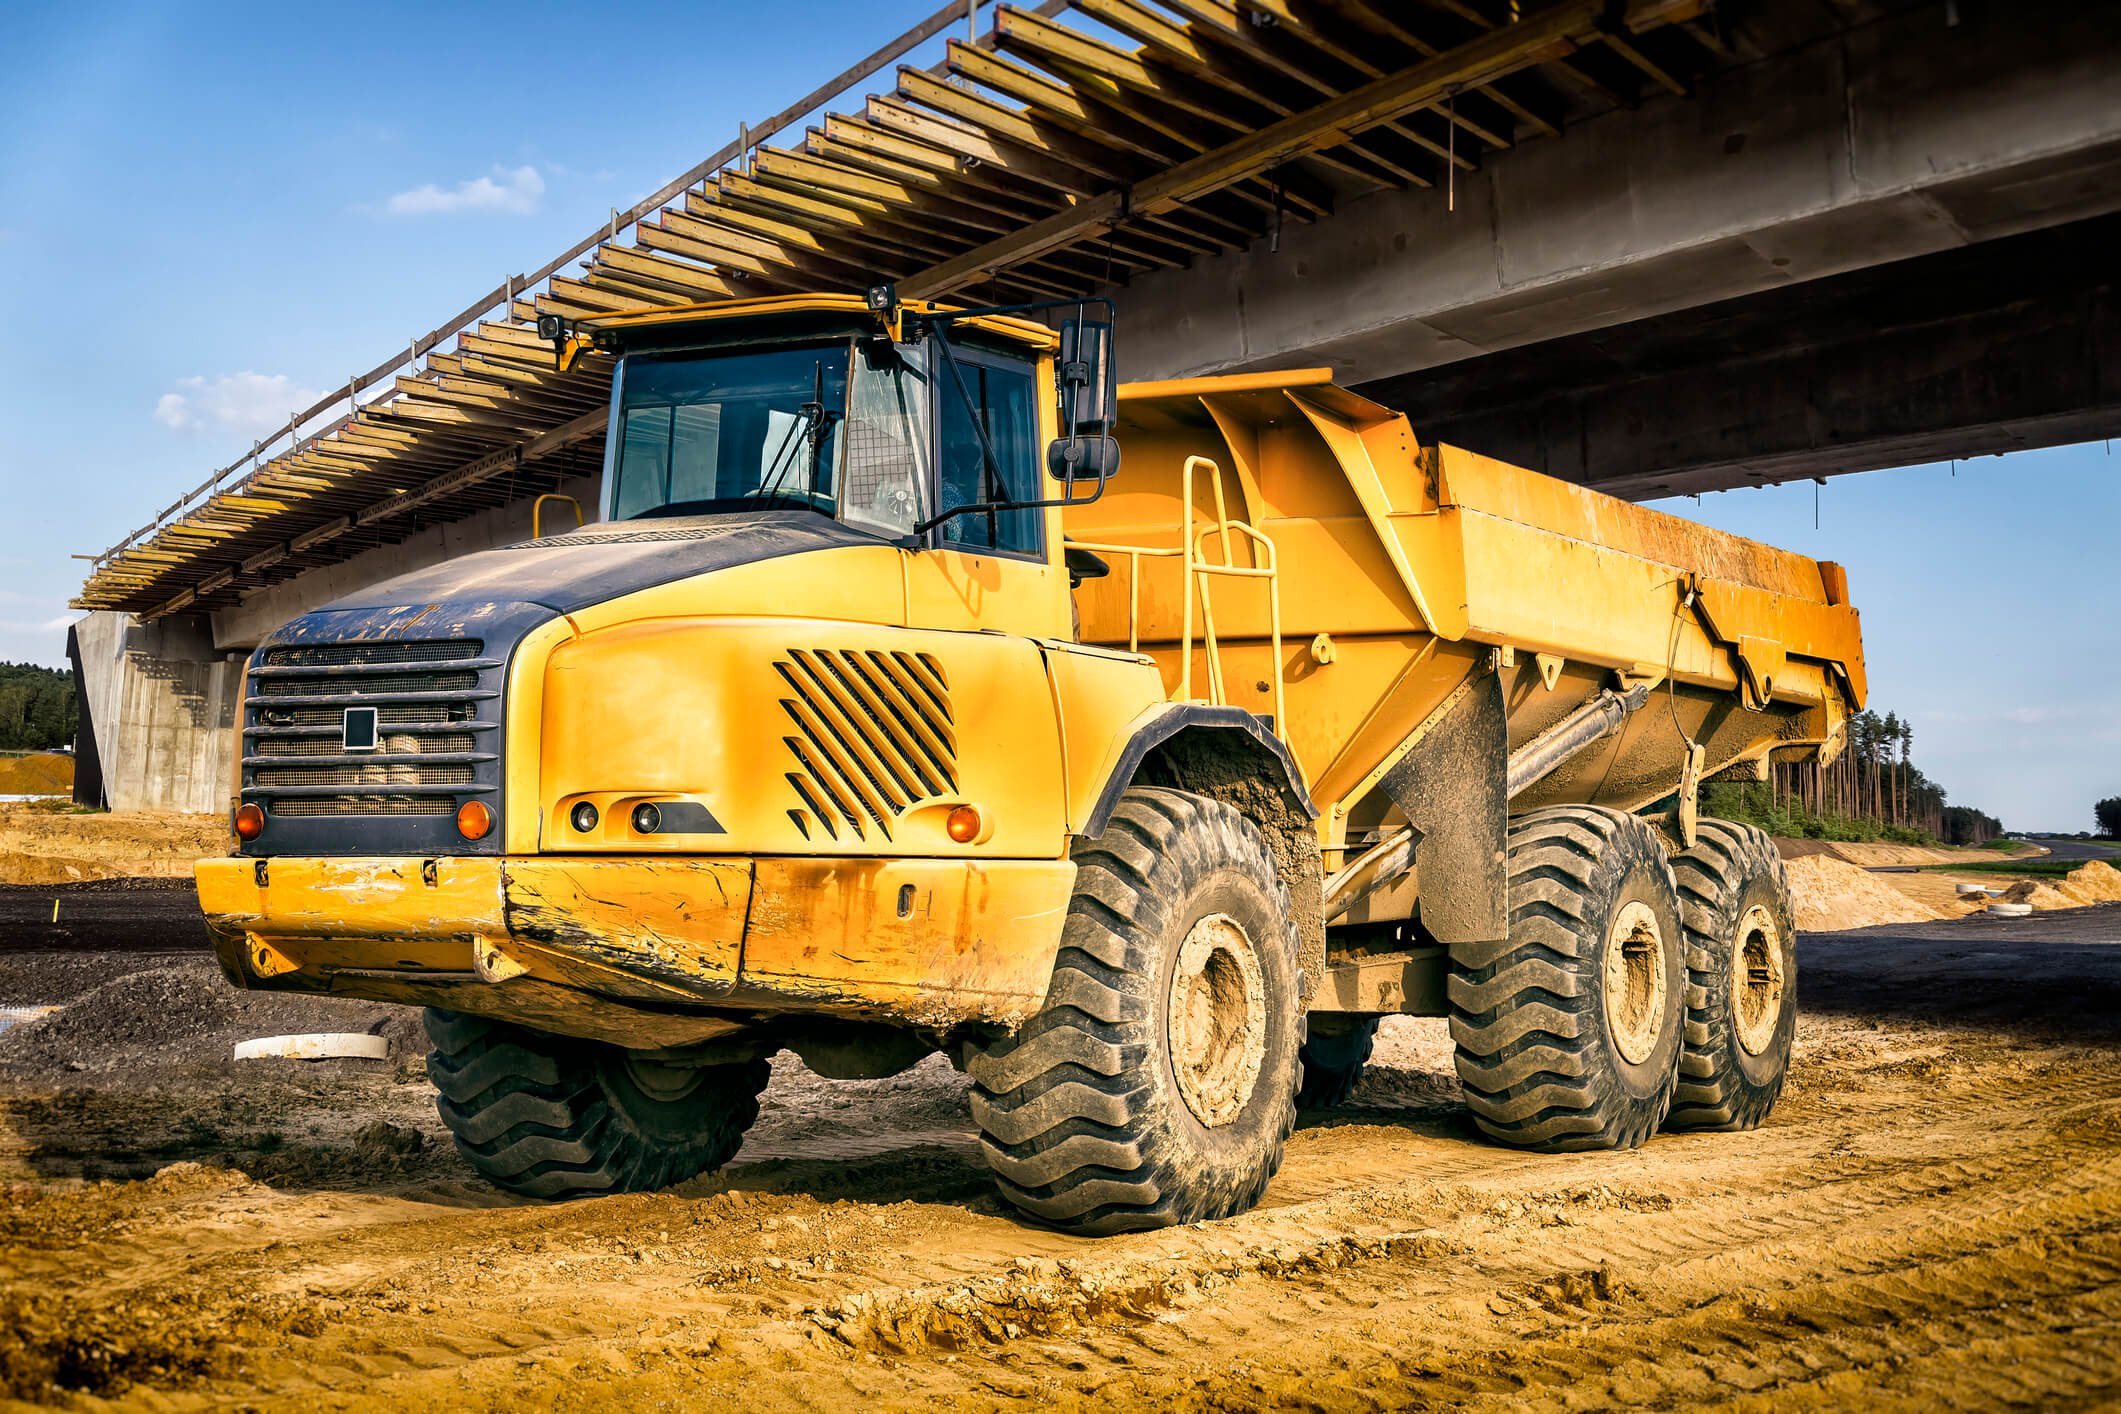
(2078, 849)
(114, 915)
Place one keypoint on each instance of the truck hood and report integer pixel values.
(601, 562)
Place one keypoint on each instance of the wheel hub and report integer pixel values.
(1757, 980)
(1634, 980)
(1217, 1026)
(661, 1082)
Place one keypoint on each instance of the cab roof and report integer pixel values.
(1026, 332)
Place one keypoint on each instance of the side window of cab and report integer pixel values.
(1005, 399)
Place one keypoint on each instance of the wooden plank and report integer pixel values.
(1004, 124)
(1219, 61)
(971, 145)
(1502, 51)
(1136, 90)
(696, 280)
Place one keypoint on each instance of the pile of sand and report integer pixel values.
(48, 774)
(48, 847)
(2096, 882)
(1829, 895)
(1875, 853)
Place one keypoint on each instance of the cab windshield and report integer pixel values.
(838, 428)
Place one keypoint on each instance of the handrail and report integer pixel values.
(1263, 567)
(1192, 547)
(505, 293)
(537, 512)
(1135, 555)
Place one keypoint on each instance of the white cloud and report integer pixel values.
(59, 624)
(514, 190)
(252, 404)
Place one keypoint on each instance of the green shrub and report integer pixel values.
(1752, 803)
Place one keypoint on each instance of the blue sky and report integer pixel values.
(207, 213)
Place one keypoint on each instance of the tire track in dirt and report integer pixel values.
(944, 1316)
(1932, 1219)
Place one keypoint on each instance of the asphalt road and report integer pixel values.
(1979, 969)
(117, 915)
(2079, 849)
(2064, 851)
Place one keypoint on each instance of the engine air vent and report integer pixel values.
(873, 737)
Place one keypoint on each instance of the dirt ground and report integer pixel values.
(44, 846)
(1932, 1218)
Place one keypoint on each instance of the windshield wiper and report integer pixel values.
(815, 422)
(991, 486)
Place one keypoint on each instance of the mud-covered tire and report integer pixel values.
(1741, 1013)
(550, 1117)
(1568, 1031)
(1157, 1085)
(1333, 1056)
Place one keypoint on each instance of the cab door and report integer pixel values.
(995, 569)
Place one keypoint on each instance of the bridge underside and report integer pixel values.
(1997, 347)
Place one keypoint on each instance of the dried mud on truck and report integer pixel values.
(883, 712)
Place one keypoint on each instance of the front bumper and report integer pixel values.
(649, 953)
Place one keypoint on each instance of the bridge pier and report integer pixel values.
(162, 701)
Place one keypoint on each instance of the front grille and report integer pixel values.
(363, 805)
(436, 726)
(873, 738)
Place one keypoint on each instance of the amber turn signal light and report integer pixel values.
(964, 824)
(250, 822)
(474, 819)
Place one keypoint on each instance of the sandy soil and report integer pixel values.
(1872, 855)
(46, 773)
(1932, 1218)
(48, 847)
(1827, 893)
(1831, 885)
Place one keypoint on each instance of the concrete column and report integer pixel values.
(163, 700)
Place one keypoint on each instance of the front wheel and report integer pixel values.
(1158, 1083)
(551, 1117)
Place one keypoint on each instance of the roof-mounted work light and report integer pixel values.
(883, 302)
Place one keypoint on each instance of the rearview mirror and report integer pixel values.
(1085, 453)
(1081, 459)
(1088, 378)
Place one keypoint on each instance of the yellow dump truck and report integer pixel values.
(883, 712)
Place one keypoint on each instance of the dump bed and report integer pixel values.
(1388, 569)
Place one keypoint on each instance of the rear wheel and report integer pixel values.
(1158, 1084)
(551, 1117)
(1333, 1056)
(1741, 1016)
(1568, 1031)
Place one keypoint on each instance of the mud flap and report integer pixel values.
(1451, 786)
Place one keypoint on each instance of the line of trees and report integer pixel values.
(1873, 790)
(2108, 813)
(37, 709)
